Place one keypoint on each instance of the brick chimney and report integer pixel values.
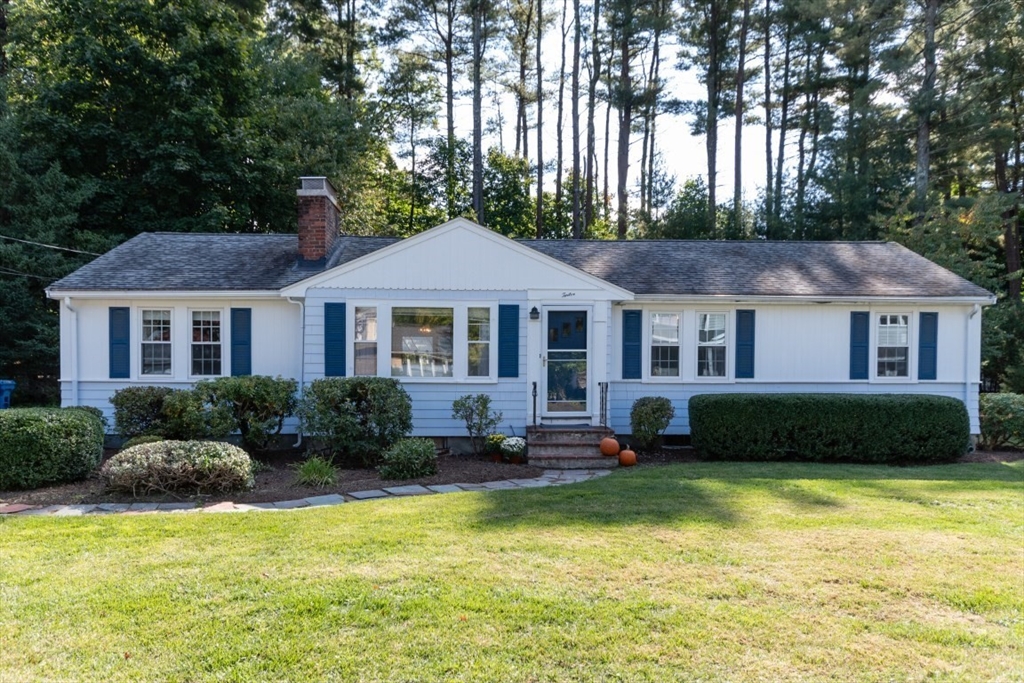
(318, 218)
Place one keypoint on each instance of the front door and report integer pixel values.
(566, 367)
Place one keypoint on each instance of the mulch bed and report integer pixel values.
(277, 481)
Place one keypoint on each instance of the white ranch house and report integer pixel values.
(557, 332)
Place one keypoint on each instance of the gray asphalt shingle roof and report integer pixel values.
(192, 262)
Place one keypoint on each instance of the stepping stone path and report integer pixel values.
(549, 478)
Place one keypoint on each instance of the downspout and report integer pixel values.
(74, 350)
(975, 309)
(302, 356)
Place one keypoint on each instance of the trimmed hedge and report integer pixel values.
(355, 419)
(255, 405)
(880, 428)
(193, 466)
(40, 446)
(1002, 420)
(138, 411)
(649, 418)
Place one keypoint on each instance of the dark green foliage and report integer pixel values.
(190, 466)
(186, 415)
(41, 446)
(649, 418)
(475, 411)
(881, 428)
(355, 418)
(409, 459)
(95, 412)
(1002, 420)
(316, 471)
(139, 440)
(257, 405)
(138, 411)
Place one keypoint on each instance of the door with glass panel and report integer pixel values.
(566, 371)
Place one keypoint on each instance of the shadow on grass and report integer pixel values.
(717, 493)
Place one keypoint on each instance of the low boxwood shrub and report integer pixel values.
(178, 466)
(355, 419)
(1002, 420)
(257, 404)
(409, 459)
(139, 410)
(879, 428)
(649, 419)
(40, 446)
(139, 440)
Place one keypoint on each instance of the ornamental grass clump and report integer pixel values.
(179, 466)
(316, 471)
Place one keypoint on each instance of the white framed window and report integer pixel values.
(422, 341)
(712, 348)
(478, 342)
(664, 344)
(156, 342)
(365, 345)
(892, 339)
(207, 348)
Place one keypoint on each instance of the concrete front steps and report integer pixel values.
(568, 447)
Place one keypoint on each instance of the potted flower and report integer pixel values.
(492, 446)
(514, 448)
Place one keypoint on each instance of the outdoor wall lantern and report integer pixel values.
(534, 314)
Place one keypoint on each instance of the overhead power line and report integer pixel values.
(49, 246)
(8, 271)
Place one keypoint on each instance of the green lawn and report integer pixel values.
(717, 571)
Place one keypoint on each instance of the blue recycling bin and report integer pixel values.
(6, 387)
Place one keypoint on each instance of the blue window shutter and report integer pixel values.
(241, 341)
(334, 340)
(860, 327)
(927, 347)
(632, 336)
(745, 344)
(120, 342)
(508, 340)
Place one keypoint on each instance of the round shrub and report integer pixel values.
(187, 416)
(409, 459)
(355, 418)
(1002, 420)
(40, 446)
(257, 404)
(139, 440)
(649, 419)
(139, 410)
(192, 466)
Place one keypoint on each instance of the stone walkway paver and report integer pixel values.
(549, 478)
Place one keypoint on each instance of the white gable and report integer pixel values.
(459, 256)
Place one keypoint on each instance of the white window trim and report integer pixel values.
(140, 325)
(460, 338)
(647, 341)
(729, 345)
(911, 377)
(225, 346)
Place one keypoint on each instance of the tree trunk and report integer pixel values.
(625, 127)
(925, 105)
(3, 48)
(655, 100)
(595, 77)
(577, 224)
(560, 155)
(711, 143)
(606, 195)
(540, 122)
(449, 66)
(783, 123)
(412, 175)
(478, 159)
(737, 192)
(1011, 227)
(768, 195)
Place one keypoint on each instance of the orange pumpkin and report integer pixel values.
(627, 457)
(609, 446)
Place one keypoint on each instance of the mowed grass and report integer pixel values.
(707, 571)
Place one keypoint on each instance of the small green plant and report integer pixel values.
(316, 471)
(475, 411)
(168, 466)
(492, 445)
(514, 447)
(649, 419)
(41, 446)
(409, 459)
(1002, 420)
(258, 405)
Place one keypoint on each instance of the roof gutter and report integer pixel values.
(232, 294)
(805, 299)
